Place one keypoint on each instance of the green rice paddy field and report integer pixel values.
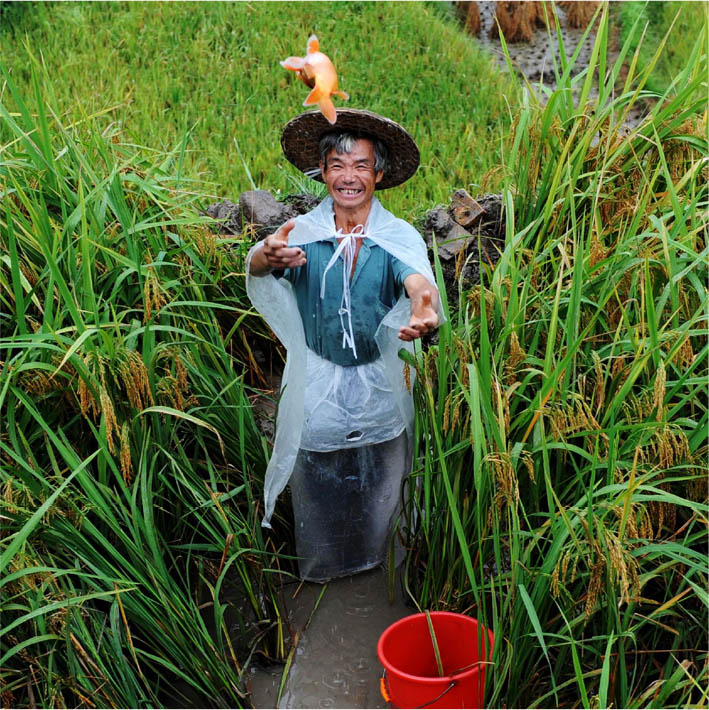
(561, 416)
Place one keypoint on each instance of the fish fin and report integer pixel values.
(343, 95)
(309, 82)
(313, 44)
(327, 109)
(293, 63)
(314, 97)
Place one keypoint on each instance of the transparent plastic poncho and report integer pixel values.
(369, 403)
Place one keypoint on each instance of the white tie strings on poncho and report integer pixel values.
(275, 300)
(347, 248)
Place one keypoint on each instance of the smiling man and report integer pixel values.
(342, 287)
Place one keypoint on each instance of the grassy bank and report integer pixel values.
(211, 69)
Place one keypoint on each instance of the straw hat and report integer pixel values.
(302, 135)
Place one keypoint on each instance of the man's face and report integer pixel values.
(350, 177)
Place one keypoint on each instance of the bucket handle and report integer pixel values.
(384, 690)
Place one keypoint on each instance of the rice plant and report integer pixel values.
(133, 569)
(562, 490)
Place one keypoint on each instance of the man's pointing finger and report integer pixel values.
(285, 229)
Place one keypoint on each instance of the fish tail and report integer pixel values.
(313, 44)
(327, 109)
(343, 95)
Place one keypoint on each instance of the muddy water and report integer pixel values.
(335, 663)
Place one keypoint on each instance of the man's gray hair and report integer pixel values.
(345, 142)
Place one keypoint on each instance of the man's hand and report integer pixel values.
(424, 307)
(276, 254)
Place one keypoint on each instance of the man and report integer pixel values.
(341, 286)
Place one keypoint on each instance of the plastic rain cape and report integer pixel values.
(275, 300)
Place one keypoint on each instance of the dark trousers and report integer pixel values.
(345, 504)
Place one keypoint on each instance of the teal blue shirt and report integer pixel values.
(377, 283)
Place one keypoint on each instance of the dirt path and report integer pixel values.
(335, 663)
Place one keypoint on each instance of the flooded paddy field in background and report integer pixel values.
(536, 59)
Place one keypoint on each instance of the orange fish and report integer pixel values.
(318, 73)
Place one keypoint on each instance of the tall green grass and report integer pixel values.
(562, 417)
(133, 572)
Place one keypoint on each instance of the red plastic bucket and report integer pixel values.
(406, 651)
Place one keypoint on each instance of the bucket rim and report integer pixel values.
(434, 680)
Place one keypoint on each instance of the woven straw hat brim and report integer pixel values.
(301, 138)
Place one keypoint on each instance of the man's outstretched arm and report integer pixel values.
(424, 307)
(276, 254)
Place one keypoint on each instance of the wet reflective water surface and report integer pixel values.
(335, 663)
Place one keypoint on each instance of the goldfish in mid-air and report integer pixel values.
(318, 73)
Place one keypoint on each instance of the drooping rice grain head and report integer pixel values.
(431, 369)
(595, 584)
(446, 415)
(617, 366)
(505, 481)
(8, 496)
(685, 356)
(645, 529)
(169, 393)
(598, 251)
(180, 372)
(455, 419)
(126, 460)
(109, 413)
(528, 461)
(658, 398)
(631, 529)
(86, 399)
(516, 356)
(153, 295)
(555, 580)
(681, 155)
(206, 242)
(657, 514)
(474, 300)
(600, 389)
(58, 620)
(623, 567)
(559, 421)
(38, 383)
(462, 349)
(560, 572)
(407, 376)
(698, 485)
(134, 378)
